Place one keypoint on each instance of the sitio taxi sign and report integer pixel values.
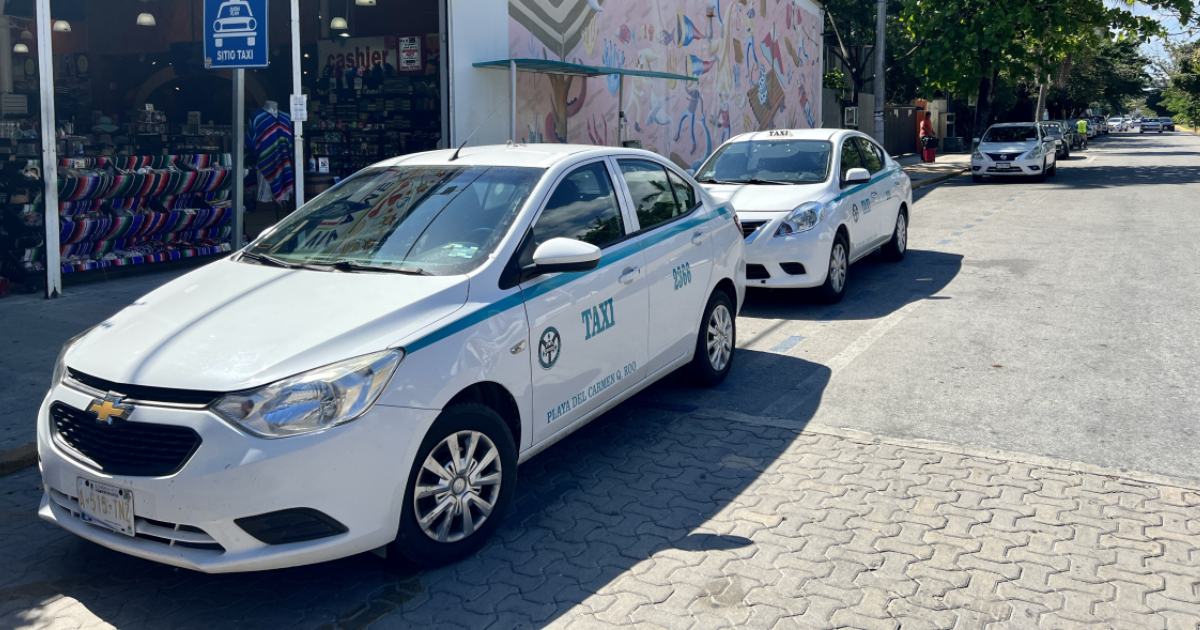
(235, 34)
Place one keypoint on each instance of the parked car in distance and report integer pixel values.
(1075, 140)
(1055, 131)
(1168, 124)
(1151, 125)
(1116, 124)
(1014, 149)
(1101, 125)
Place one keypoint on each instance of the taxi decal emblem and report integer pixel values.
(854, 212)
(549, 348)
(109, 408)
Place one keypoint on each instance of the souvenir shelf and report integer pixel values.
(130, 210)
(22, 227)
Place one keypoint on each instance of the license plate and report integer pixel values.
(107, 506)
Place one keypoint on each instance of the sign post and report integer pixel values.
(235, 38)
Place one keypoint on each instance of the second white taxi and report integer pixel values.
(810, 203)
(1014, 149)
(371, 370)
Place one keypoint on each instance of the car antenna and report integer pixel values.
(460, 147)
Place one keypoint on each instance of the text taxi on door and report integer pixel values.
(371, 370)
(811, 202)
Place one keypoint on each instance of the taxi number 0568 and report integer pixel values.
(682, 275)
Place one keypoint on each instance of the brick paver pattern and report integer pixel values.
(654, 519)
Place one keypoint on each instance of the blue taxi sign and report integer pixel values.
(235, 34)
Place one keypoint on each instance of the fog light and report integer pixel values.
(289, 526)
(1035, 168)
(976, 168)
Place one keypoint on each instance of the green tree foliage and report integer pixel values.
(1181, 97)
(965, 45)
(1112, 75)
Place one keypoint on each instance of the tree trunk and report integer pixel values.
(983, 110)
(1041, 102)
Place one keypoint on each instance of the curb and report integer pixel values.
(986, 452)
(15, 459)
(939, 179)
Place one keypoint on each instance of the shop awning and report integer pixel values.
(548, 66)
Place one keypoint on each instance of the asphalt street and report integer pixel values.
(969, 440)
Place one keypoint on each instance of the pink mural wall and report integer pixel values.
(758, 63)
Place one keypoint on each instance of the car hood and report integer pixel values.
(231, 326)
(1007, 147)
(765, 197)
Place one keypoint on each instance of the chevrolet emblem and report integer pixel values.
(108, 408)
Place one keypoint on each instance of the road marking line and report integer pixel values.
(807, 387)
(944, 242)
(787, 344)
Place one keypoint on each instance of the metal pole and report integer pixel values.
(239, 155)
(880, 92)
(298, 161)
(49, 150)
(512, 101)
(620, 110)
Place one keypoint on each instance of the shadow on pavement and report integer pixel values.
(642, 480)
(876, 289)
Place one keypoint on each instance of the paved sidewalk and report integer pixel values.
(943, 168)
(653, 519)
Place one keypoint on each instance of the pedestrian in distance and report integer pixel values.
(928, 139)
(1081, 127)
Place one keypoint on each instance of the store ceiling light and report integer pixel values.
(338, 24)
(26, 35)
(146, 19)
(365, 3)
(20, 48)
(62, 26)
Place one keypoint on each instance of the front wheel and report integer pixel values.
(834, 288)
(459, 488)
(893, 250)
(1041, 176)
(716, 342)
(978, 179)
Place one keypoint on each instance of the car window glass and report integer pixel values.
(872, 161)
(788, 161)
(684, 193)
(583, 207)
(1012, 134)
(651, 192)
(850, 157)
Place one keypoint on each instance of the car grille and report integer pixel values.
(756, 272)
(136, 449)
(749, 227)
(144, 392)
(162, 532)
(1003, 157)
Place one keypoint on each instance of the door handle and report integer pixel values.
(697, 237)
(628, 275)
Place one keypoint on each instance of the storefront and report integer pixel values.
(143, 131)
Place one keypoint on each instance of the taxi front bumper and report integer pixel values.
(354, 475)
(793, 261)
(1019, 168)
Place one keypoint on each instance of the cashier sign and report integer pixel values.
(235, 34)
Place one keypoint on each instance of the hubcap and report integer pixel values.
(901, 233)
(720, 337)
(837, 267)
(457, 486)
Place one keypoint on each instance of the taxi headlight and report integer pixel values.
(60, 365)
(976, 155)
(1034, 154)
(802, 219)
(312, 401)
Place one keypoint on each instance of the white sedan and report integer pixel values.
(371, 370)
(810, 203)
(1014, 149)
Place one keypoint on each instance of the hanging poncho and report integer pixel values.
(269, 138)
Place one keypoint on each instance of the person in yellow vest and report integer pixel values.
(1081, 127)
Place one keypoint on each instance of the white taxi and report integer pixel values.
(1014, 149)
(371, 370)
(810, 203)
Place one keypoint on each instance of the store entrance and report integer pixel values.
(375, 90)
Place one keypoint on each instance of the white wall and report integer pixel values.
(478, 31)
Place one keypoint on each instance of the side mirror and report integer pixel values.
(559, 255)
(856, 176)
(975, 140)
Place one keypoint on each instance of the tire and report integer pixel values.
(1041, 176)
(462, 423)
(978, 179)
(716, 342)
(838, 273)
(894, 250)
(1067, 154)
(1054, 169)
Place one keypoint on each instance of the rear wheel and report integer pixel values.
(459, 488)
(716, 341)
(834, 288)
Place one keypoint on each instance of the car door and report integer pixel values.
(885, 195)
(678, 252)
(859, 198)
(587, 330)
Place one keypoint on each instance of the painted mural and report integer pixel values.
(757, 63)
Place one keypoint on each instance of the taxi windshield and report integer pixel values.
(779, 161)
(427, 220)
(1011, 134)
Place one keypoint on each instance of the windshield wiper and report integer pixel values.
(267, 260)
(760, 181)
(349, 266)
(710, 180)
